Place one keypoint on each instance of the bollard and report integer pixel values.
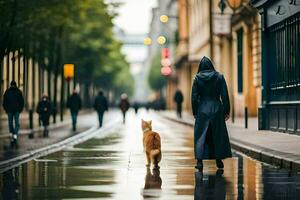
(232, 116)
(31, 123)
(246, 117)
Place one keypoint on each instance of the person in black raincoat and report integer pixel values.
(211, 107)
(13, 104)
(74, 104)
(44, 109)
(178, 98)
(100, 105)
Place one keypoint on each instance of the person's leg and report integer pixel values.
(179, 109)
(17, 123)
(100, 118)
(219, 163)
(199, 165)
(74, 120)
(124, 115)
(10, 123)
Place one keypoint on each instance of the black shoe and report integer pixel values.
(199, 165)
(219, 163)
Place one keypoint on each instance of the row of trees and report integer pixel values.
(54, 32)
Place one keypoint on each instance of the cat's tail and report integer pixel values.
(155, 155)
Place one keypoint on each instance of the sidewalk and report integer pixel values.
(59, 137)
(276, 148)
(24, 123)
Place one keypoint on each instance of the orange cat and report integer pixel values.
(152, 144)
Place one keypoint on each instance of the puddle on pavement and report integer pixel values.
(111, 168)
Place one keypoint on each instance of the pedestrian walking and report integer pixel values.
(178, 98)
(136, 107)
(74, 104)
(100, 105)
(211, 107)
(13, 104)
(44, 109)
(124, 105)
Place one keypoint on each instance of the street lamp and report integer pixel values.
(234, 4)
(147, 41)
(164, 18)
(161, 40)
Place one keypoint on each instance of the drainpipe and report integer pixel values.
(211, 39)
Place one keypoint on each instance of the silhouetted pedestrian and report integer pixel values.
(100, 105)
(124, 105)
(136, 107)
(13, 104)
(74, 104)
(44, 109)
(178, 98)
(211, 107)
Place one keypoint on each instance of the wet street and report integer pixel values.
(112, 166)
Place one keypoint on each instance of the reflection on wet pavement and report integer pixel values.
(112, 166)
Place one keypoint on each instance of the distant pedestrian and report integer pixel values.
(211, 107)
(100, 105)
(13, 104)
(74, 104)
(124, 105)
(44, 109)
(136, 107)
(178, 98)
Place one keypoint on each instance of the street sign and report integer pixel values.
(222, 24)
(68, 71)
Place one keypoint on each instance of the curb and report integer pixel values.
(264, 155)
(76, 139)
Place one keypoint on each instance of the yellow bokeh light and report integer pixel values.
(147, 41)
(161, 40)
(164, 18)
(68, 71)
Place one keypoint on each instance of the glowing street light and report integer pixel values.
(161, 40)
(164, 18)
(234, 4)
(147, 41)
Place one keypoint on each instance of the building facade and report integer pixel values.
(236, 54)
(280, 108)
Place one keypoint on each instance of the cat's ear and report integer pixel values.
(142, 120)
(150, 122)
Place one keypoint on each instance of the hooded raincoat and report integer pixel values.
(210, 104)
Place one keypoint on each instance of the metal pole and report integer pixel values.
(31, 123)
(246, 117)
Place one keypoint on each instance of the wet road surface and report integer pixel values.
(112, 166)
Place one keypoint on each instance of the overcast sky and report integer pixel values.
(135, 15)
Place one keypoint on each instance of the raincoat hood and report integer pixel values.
(206, 69)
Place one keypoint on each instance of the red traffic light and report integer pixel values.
(165, 53)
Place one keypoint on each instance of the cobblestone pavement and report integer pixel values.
(112, 166)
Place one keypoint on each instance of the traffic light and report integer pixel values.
(166, 69)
